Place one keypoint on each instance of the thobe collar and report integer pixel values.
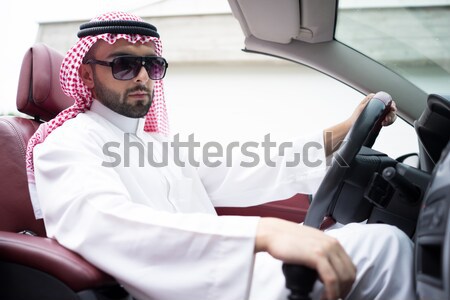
(126, 124)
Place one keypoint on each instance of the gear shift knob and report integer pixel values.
(299, 280)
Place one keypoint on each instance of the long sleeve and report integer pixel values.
(295, 167)
(154, 253)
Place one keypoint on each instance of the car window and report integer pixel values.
(274, 97)
(283, 99)
(411, 37)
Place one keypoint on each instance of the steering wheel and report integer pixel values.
(300, 279)
(363, 133)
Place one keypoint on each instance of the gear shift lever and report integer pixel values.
(299, 280)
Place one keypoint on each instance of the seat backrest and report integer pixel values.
(40, 97)
(39, 93)
(38, 264)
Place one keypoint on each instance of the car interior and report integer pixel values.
(385, 189)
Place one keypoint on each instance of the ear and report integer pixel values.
(87, 75)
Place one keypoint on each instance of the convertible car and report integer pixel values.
(399, 47)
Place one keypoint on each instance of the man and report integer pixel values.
(154, 228)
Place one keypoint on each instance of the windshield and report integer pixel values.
(411, 37)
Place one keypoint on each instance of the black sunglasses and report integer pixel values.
(128, 66)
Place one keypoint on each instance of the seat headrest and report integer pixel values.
(39, 92)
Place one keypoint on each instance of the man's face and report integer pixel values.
(131, 98)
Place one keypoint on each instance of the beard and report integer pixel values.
(118, 102)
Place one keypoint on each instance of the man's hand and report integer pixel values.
(303, 245)
(388, 120)
(339, 131)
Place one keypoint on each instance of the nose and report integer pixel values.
(142, 76)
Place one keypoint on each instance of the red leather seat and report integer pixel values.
(37, 267)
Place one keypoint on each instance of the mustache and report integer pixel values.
(139, 88)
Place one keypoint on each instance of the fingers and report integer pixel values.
(336, 271)
(391, 116)
(329, 278)
(346, 272)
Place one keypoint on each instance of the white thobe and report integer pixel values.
(155, 228)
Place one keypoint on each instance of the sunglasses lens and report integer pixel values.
(125, 68)
(128, 67)
(156, 67)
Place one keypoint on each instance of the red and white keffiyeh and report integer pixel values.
(155, 121)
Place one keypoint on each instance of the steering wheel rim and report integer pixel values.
(363, 133)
